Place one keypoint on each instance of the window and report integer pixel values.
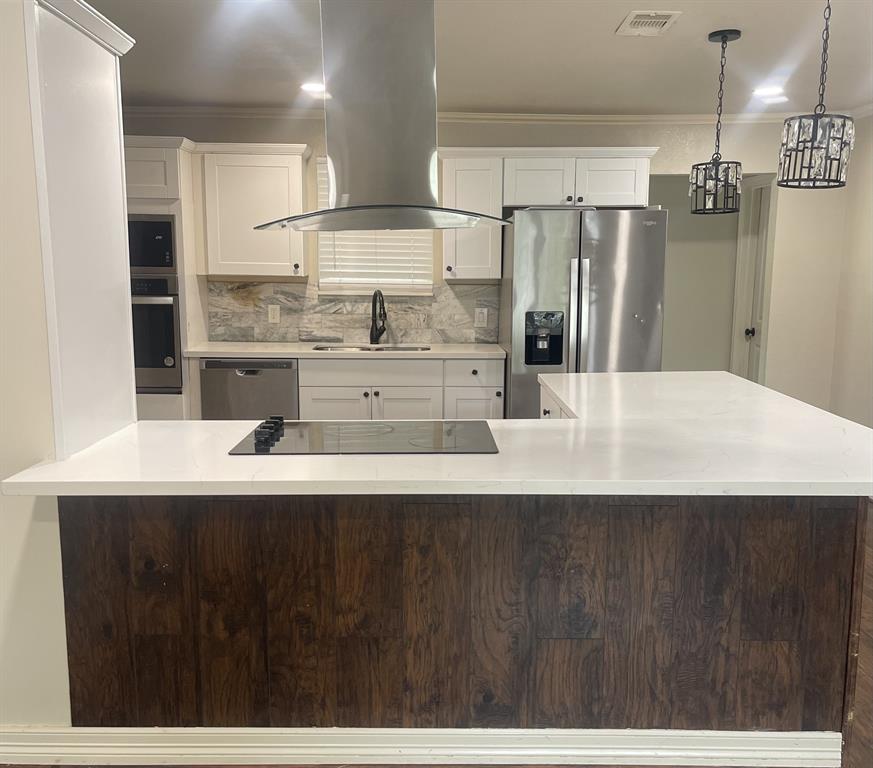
(401, 260)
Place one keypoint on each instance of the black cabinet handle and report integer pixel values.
(366, 394)
(449, 268)
(579, 199)
(750, 332)
(499, 394)
(296, 267)
(376, 393)
(546, 412)
(474, 372)
(569, 198)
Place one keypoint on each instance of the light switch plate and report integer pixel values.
(480, 318)
(273, 313)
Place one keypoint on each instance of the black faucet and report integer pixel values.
(378, 316)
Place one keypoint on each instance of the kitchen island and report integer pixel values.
(685, 554)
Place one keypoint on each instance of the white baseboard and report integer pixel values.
(335, 746)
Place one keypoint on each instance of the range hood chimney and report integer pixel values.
(380, 121)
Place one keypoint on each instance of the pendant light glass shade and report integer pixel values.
(715, 186)
(815, 148)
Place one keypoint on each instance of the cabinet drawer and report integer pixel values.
(318, 372)
(474, 373)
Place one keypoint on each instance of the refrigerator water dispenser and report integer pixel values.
(543, 338)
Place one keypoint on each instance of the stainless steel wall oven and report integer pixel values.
(154, 288)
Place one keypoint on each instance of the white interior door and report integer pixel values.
(754, 248)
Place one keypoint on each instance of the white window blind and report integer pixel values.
(383, 258)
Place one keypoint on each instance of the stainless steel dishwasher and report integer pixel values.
(248, 389)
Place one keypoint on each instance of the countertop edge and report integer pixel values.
(846, 489)
(480, 352)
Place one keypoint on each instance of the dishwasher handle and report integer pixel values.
(248, 367)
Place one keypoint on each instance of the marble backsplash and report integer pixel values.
(238, 312)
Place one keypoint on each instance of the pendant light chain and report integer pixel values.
(815, 148)
(717, 154)
(825, 38)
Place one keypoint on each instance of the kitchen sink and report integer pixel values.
(374, 348)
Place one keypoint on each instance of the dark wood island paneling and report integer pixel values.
(548, 611)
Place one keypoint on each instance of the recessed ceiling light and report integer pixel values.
(768, 90)
(312, 87)
(775, 99)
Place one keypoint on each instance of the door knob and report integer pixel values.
(376, 393)
(546, 412)
(749, 332)
(474, 372)
(499, 394)
(579, 199)
(449, 268)
(366, 394)
(569, 198)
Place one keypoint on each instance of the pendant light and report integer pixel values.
(815, 148)
(715, 185)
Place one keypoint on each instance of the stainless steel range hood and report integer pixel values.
(380, 121)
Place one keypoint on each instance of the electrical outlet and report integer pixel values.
(480, 319)
(273, 313)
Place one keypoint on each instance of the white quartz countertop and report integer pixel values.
(269, 349)
(638, 434)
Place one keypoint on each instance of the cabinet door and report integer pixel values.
(332, 403)
(612, 181)
(151, 173)
(473, 184)
(538, 180)
(474, 403)
(395, 403)
(243, 191)
(549, 408)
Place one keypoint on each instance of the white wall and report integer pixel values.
(852, 381)
(809, 240)
(33, 654)
(698, 281)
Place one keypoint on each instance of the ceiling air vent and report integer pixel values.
(647, 23)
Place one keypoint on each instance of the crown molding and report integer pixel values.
(582, 152)
(95, 25)
(517, 118)
(235, 113)
(409, 746)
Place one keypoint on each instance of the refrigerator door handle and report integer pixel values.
(584, 314)
(573, 318)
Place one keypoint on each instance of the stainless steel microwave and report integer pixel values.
(151, 241)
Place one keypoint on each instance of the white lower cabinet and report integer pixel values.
(395, 403)
(473, 403)
(400, 389)
(549, 407)
(329, 403)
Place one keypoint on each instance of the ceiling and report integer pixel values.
(516, 56)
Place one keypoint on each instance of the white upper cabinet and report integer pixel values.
(242, 191)
(152, 173)
(472, 184)
(538, 180)
(612, 181)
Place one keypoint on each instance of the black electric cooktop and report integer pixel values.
(278, 437)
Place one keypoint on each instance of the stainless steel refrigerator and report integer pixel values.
(582, 291)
